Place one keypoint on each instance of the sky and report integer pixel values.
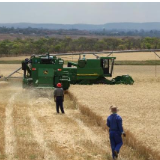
(79, 12)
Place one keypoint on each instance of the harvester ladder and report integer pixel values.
(13, 73)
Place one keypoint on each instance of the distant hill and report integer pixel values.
(107, 26)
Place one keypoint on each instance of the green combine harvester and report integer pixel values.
(45, 71)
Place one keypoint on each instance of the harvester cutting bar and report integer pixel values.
(13, 73)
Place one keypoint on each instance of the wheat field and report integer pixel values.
(31, 129)
(139, 104)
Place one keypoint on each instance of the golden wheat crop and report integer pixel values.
(138, 56)
(139, 107)
(139, 73)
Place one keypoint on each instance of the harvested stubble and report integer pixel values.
(37, 132)
(139, 106)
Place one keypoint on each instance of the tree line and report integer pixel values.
(103, 32)
(136, 33)
(56, 45)
(42, 31)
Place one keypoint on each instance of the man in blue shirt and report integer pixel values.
(114, 122)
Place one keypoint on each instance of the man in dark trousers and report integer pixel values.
(59, 97)
(114, 122)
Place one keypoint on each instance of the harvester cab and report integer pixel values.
(107, 65)
(91, 71)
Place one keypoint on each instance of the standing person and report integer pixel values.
(114, 122)
(59, 97)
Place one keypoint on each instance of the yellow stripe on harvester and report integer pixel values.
(95, 74)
